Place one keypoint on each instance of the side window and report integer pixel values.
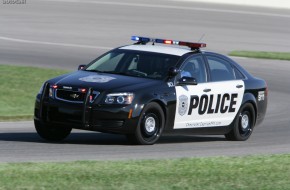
(238, 74)
(194, 67)
(220, 70)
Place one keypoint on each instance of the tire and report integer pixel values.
(243, 124)
(150, 126)
(51, 133)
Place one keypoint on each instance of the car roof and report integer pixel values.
(172, 50)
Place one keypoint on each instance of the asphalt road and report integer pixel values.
(66, 33)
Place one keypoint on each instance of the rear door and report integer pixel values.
(214, 101)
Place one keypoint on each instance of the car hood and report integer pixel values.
(103, 81)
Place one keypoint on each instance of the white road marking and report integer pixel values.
(176, 7)
(52, 43)
(281, 4)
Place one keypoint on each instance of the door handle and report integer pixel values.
(240, 86)
(207, 90)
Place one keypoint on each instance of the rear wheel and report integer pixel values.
(51, 133)
(150, 125)
(243, 124)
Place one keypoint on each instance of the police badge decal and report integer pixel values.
(183, 104)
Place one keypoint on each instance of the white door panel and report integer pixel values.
(208, 104)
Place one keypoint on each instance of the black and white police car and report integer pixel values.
(144, 90)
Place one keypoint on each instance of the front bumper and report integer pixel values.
(94, 117)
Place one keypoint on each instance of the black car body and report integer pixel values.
(144, 90)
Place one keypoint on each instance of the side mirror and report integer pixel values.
(186, 81)
(172, 71)
(81, 67)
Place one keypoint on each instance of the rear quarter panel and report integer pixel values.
(256, 92)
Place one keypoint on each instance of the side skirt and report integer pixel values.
(201, 131)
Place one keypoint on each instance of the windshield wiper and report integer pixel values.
(109, 72)
(97, 71)
(118, 73)
(114, 72)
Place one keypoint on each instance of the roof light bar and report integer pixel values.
(145, 40)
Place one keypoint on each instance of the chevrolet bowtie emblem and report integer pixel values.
(74, 96)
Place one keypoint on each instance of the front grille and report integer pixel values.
(69, 95)
(74, 95)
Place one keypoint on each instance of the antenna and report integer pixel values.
(201, 37)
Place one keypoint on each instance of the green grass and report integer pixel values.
(251, 172)
(19, 86)
(262, 54)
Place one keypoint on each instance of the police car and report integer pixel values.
(152, 87)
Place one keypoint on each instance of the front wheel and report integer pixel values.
(243, 124)
(51, 133)
(150, 125)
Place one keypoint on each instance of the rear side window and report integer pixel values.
(220, 70)
(238, 74)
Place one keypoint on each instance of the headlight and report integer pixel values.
(119, 98)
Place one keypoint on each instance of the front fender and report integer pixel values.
(145, 99)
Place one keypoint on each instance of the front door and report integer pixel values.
(212, 102)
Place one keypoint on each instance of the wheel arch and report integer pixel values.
(163, 107)
(250, 98)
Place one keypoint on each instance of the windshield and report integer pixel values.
(134, 63)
